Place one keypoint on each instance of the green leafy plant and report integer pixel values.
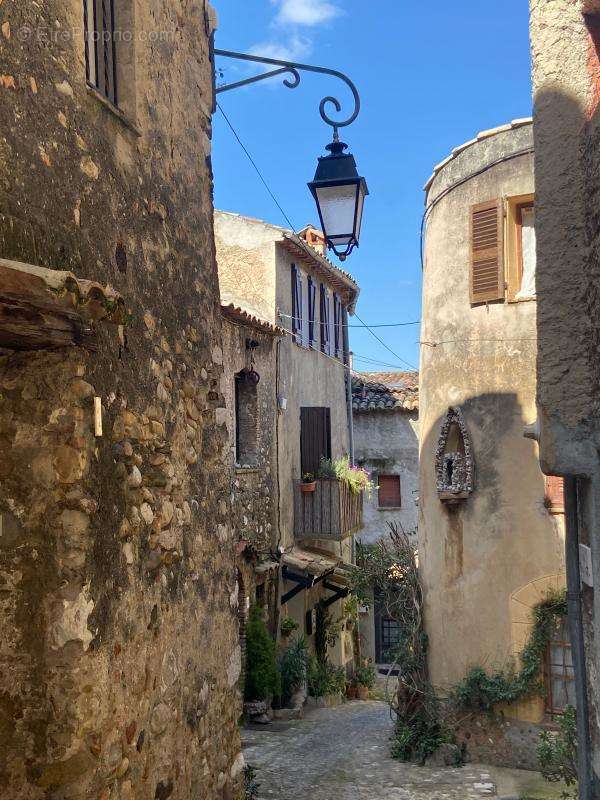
(288, 625)
(308, 477)
(420, 738)
(325, 678)
(557, 752)
(251, 786)
(263, 681)
(293, 666)
(481, 691)
(364, 675)
(327, 631)
(340, 469)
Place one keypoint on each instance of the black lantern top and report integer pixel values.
(339, 193)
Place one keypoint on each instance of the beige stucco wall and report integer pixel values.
(255, 272)
(476, 556)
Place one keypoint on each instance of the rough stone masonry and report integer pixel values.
(119, 653)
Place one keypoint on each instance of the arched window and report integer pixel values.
(246, 419)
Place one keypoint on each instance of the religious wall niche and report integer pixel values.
(454, 459)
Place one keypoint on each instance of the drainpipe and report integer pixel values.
(576, 633)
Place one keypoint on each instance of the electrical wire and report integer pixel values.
(258, 172)
(378, 325)
(285, 216)
(404, 361)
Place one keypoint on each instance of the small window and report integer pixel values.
(554, 498)
(337, 326)
(312, 312)
(520, 248)
(296, 304)
(559, 672)
(325, 339)
(246, 420)
(389, 491)
(100, 27)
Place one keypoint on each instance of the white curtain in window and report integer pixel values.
(527, 288)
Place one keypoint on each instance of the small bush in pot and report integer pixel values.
(293, 665)
(263, 681)
(364, 676)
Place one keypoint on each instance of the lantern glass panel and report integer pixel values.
(338, 208)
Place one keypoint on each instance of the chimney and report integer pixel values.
(315, 238)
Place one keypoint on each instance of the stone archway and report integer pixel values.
(521, 605)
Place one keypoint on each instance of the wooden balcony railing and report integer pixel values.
(331, 512)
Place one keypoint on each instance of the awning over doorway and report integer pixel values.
(307, 567)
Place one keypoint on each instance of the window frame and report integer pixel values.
(514, 248)
(101, 62)
(337, 326)
(565, 646)
(296, 281)
(312, 311)
(397, 505)
(324, 319)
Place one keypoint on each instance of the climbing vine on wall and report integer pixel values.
(423, 723)
(482, 691)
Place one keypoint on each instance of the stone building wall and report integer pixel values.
(120, 655)
(565, 45)
(387, 442)
(476, 556)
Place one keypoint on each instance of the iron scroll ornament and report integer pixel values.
(292, 70)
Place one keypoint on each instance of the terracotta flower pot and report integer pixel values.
(306, 488)
(351, 692)
(363, 693)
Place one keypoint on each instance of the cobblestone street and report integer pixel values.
(343, 753)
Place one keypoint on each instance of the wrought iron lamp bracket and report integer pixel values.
(292, 69)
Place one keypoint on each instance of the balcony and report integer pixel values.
(331, 513)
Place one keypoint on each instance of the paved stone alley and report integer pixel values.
(343, 754)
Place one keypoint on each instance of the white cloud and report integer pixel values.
(305, 12)
(295, 49)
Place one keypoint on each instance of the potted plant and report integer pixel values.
(351, 689)
(308, 484)
(288, 626)
(364, 676)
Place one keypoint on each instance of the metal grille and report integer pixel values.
(559, 672)
(101, 47)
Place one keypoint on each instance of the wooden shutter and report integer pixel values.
(312, 298)
(324, 319)
(296, 304)
(487, 252)
(315, 437)
(389, 491)
(554, 499)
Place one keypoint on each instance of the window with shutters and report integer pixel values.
(520, 248)
(109, 48)
(337, 326)
(487, 252)
(389, 495)
(246, 420)
(296, 304)
(312, 312)
(315, 437)
(325, 334)
(554, 498)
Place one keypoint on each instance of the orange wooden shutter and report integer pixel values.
(487, 252)
(389, 491)
(555, 498)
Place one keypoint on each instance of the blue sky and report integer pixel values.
(430, 76)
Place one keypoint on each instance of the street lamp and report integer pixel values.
(339, 193)
(337, 188)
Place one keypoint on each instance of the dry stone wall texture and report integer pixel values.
(119, 658)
